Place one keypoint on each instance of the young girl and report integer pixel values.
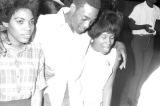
(101, 61)
(22, 69)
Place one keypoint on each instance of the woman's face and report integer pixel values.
(104, 42)
(21, 26)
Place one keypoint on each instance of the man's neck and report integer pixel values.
(149, 4)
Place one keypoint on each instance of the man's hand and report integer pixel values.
(147, 27)
(3, 37)
(122, 54)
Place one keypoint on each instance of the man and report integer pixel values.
(65, 45)
(142, 22)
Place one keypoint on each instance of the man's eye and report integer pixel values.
(84, 18)
(20, 21)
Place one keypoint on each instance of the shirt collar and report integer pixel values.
(11, 48)
(61, 13)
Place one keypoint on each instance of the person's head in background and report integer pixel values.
(105, 30)
(67, 2)
(151, 2)
(19, 20)
(49, 6)
(82, 14)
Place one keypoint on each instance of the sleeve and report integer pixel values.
(49, 72)
(43, 26)
(41, 82)
(39, 29)
(112, 57)
(158, 13)
(135, 13)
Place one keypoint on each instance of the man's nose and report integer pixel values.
(87, 24)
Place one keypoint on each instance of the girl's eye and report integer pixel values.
(103, 36)
(112, 38)
(32, 22)
(20, 21)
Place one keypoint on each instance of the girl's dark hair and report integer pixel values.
(7, 11)
(94, 3)
(108, 21)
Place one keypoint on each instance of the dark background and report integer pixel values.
(123, 76)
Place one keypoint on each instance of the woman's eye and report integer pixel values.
(20, 21)
(112, 37)
(103, 37)
(32, 22)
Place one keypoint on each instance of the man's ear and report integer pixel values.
(73, 7)
(5, 24)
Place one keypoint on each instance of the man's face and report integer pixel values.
(83, 18)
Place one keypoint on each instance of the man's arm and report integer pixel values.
(133, 26)
(157, 26)
(122, 53)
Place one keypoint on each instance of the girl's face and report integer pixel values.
(21, 27)
(104, 42)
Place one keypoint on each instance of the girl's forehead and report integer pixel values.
(23, 13)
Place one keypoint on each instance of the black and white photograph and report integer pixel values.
(79, 53)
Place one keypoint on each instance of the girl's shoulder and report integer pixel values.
(34, 47)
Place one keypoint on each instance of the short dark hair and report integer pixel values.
(7, 12)
(45, 6)
(108, 21)
(93, 3)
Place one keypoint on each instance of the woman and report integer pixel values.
(22, 68)
(101, 61)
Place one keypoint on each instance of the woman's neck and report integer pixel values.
(94, 47)
(15, 44)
